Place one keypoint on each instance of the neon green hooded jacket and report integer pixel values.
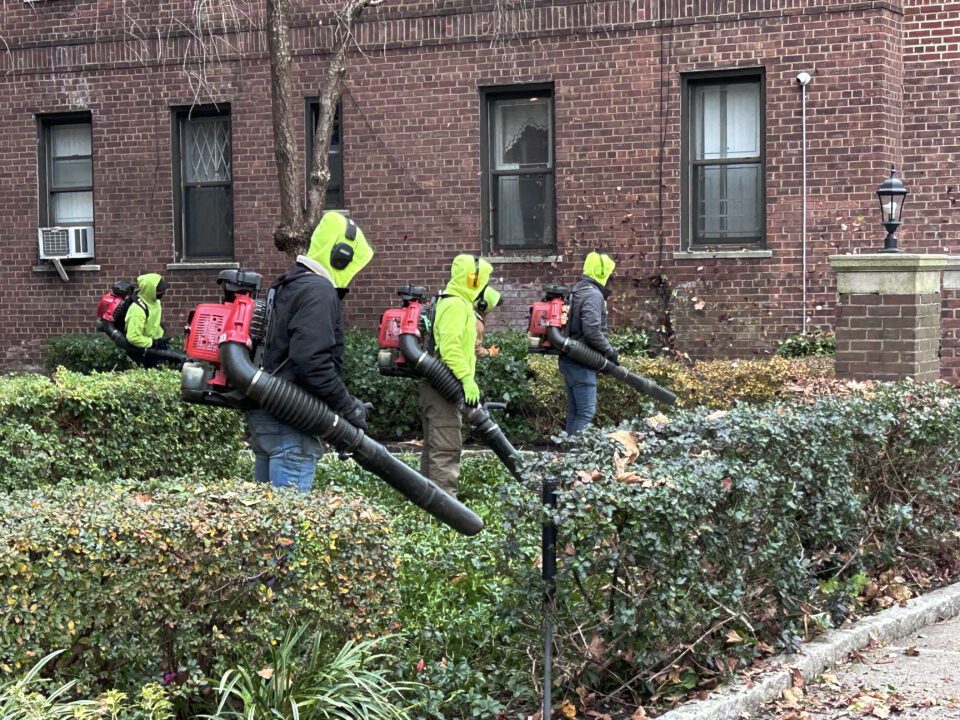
(329, 232)
(143, 328)
(599, 266)
(455, 325)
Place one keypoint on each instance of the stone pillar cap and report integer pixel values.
(891, 262)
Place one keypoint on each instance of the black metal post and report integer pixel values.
(549, 561)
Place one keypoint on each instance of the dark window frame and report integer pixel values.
(488, 96)
(689, 82)
(45, 123)
(333, 199)
(178, 116)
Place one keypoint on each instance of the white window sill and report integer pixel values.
(721, 254)
(69, 268)
(221, 265)
(516, 259)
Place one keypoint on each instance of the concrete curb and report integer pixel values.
(731, 701)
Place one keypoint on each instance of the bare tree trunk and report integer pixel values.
(293, 233)
(288, 235)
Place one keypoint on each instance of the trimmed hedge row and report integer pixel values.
(698, 543)
(170, 583)
(96, 428)
(533, 388)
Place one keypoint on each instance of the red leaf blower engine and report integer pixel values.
(220, 339)
(544, 335)
(401, 331)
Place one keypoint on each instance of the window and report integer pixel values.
(334, 199)
(517, 161)
(66, 171)
(203, 184)
(723, 150)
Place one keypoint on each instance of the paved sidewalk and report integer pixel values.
(915, 678)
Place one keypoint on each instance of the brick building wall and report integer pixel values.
(411, 145)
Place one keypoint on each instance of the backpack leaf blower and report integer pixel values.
(219, 341)
(545, 336)
(111, 319)
(401, 330)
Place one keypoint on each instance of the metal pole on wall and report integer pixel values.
(549, 556)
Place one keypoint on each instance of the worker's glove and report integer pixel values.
(161, 344)
(357, 414)
(471, 391)
(614, 355)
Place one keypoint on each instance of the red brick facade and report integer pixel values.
(884, 91)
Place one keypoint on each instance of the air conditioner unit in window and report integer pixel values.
(66, 243)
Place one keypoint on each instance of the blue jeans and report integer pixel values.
(283, 456)
(581, 394)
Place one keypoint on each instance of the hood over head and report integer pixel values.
(487, 300)
(340, 246)
(469, 274)
(599, 266)
(147, 285)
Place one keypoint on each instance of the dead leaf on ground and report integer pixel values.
(733, 637)
(630, 443)
(911, 651)
(639, 714)
(796, 677)
(266, 673)
(568, 710)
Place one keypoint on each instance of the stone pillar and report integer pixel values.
(950, 322)
(889, 321)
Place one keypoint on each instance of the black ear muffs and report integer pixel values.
(473, 279)
(482, 304)
(341, 254)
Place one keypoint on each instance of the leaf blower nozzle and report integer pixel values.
(219, 340)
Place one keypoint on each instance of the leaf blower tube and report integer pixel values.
(578, 351)
(442, 379)
(220, 335)
(544, 336)
(172, 357)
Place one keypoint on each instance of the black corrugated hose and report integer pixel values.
(445, 382)
(293, 405)
(576, 350)
(170, 357)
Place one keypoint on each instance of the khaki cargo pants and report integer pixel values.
(442, 439)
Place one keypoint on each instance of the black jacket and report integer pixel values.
(305, 340)
(588, 315)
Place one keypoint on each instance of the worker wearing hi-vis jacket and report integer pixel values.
(587, 322)
(454, 336)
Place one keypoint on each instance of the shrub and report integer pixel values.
(715, 384)
(816, 344)
(96, 428)
(168, 583)
(697, 543)
(84, 352)
(464, 603)
(631, 341)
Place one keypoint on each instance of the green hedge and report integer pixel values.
(697, 543)
(168, 583)
(533, 388)
(691, 544)
(95, 428)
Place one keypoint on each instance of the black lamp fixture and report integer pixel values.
(892, 195)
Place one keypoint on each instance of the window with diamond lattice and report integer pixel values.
(203, 176)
